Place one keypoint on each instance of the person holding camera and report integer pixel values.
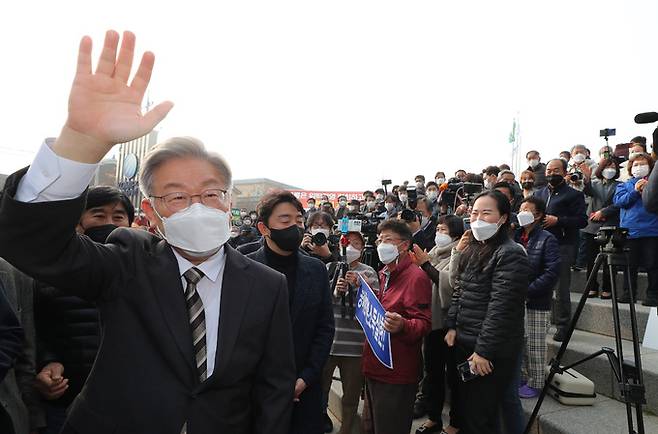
(347, 347)
(405, 293)
(485, 318)
(642, 228)
(317, 241)
(565, 215)
(602, 212)
(439, 359)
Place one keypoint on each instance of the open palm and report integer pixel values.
(103, 107)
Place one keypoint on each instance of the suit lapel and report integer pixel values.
(236, 291)
(168, 290)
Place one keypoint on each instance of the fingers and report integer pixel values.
(143, 75)
(156, 114)
(84, 56)
(125, 59)
(108, 57)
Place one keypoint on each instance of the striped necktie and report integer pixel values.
(197, 320)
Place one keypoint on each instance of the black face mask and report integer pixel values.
(288, 239)
(555, 180)
(527, 185)
(99, 234)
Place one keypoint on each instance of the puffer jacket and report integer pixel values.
(633, 216)
(68, 332)
(488, 305)
(543, 253)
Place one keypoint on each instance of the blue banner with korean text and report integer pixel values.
(370, 314)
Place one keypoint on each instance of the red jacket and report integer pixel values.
(409, 293)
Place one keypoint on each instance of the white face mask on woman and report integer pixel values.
(387, 252)
(442, 240)
(525, 218)
(198, 230)
(482, 230)
(640, 171)
(609, 173)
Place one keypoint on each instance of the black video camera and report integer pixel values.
(576, 176)
(611, 238)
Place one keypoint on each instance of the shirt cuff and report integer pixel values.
(51, 177)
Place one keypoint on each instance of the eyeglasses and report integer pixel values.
(178, 201)
(386, 240)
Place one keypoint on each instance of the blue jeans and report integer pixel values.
(511, 413)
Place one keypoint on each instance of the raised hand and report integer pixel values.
(103, 108)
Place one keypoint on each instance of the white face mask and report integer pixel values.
(352, 208)
(432, 195)
(198, 230)
(352, 254)
(609, 173)
(442, 240)
(342, 203)
(371, 204)
(420, 185)
(482, 230)
(488, 184)
(311, 205)
(440, 181)
(533, 163)
(579, 158)
(380, 197)
(387, 253)
(640, 171)
(403, 197)
(326, 232)
(389, 206)
(632, 155)
(525, 218)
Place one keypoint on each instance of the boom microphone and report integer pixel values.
(646, 118)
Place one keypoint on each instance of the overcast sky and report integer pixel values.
(340, 94)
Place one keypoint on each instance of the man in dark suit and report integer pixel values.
(281, 220)
(196, 337)
(566, 213)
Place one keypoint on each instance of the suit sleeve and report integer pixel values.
(274, 386)
(550, 272)
(626, 195)
(506, 305)
(51, 251)
(650, 193)
(11, 335)
(418, 315)
(324, 334)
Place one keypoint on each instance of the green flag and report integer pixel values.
(512, 135)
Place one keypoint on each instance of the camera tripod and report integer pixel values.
(628, 374)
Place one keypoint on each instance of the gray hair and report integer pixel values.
(579, 148)
(179, 147)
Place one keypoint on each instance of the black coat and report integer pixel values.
(145, 379)
(544, 257)
(312, 320)
(11, 335)
(488, 304)
(68, 332)
(569, 206)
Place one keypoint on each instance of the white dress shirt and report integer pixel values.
(51, 178)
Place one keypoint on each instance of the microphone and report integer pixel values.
(646, 118)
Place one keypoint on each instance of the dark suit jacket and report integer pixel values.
(569, 206)
(144, 379)
(313, 333)
(11, 335)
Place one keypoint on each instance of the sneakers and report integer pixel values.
(328, 425)
(559, 335)
(527, 392)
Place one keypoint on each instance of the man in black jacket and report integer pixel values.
(280, 216)
(196, 337)
(68, 329)
(537, 167)
(565, 215)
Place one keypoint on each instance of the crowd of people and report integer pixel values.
(201, 325)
